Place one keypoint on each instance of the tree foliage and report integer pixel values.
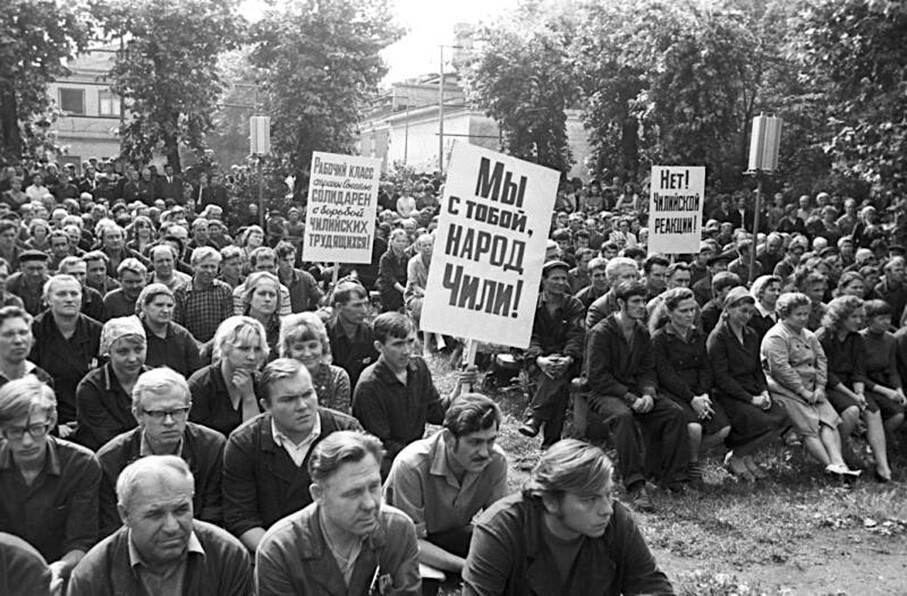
(168, 75)
(36, 37)
(318, 63)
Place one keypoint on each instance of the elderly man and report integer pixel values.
(202, 305)
(92, 300)
(160, 404)
(121, 302)
(564, 534)
(619, 269)
(441, 482)
(163, 258)
(265, 473)
(346, 541)
(161, 548)
(48, 486)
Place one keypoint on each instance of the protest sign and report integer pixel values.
(675, 209)
(342, 207)
(489, 247)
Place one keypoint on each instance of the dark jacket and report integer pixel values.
(352, 355)
(105, 409)
(682, 367)
(736, 367)
(613, 366)
(846, 359)
(211, 405)
(202, 449)
(560, 332)
(261, 483)
(178, 350)
(508, 555)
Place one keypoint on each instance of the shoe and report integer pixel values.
(882, 479)
(757, 470)
(737, 468)
(694, 476)
(639, 500)
(842, 471)
(530, 428)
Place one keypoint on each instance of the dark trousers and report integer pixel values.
(454, 541)
(653, 444)
(549, 405)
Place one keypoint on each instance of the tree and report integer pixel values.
(318, 62)
(168, 75)
(36, 38)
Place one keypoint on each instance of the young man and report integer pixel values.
(564, 534)
(352, 341)
(304, 291)
(347, 541)
(121, 302)
(265, 461)
(441, 482)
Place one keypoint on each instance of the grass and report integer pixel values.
(795, 522)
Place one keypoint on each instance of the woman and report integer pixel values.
(141, 235)
(305, 338)
(684, 373)
(38, 232)
(851, 283)
(765, 291)
(846, 387)
(406, 204)
(169, 344)
(224, 393)
(251, 239)
(740, 386)
(104, 396)
(882, 377)
(260, 300)
(797, 371)
(392, 273)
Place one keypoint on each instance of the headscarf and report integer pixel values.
(118, 328)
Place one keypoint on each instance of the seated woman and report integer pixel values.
(169, 344)
(304, 337)
(224, 392)
(740, 386)
(104, 396)
(851, 283)
(846, 387)
(48, 486)
(765, 291)
(260, 302)
(392, 272)
(797, 371)
(684, 373)
(882, 377)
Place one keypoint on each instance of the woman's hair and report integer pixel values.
(149, 293)
(762, 282)
(789, 301)
(674, 296)
(256, 279)
(35, 223)
(838, 310)
(245, 236)
(236, 330)
(877, 308)
(304, 326)
(847, 278)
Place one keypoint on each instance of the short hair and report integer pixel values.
(230, 251)
(262, 252)
(392, 324)
(154, 466)
(203, 253)
(346, 291)
(723, 280)
(633, 252)
(470, 413)
(572, 467)
(762, 282)
(132, 265)
(598, 263)
(877, 308)
(810, 277)
(245, 235)
(341, 447)
(618, 263)
(849, 277)
(284, 248)
(627, 289)
(255, 279)
(6, 224)
(236, 329)
(893, 260)
(653, 260)
(156, 247)
(14, 312)
(788, 301)
(304, 326)
(22, 397)
(96, 255)
(198, 222)
(838, 310)
(159, 381)
(59, 278)
(278, 370)
(674, 296)
(673, 268)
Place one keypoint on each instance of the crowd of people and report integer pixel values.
(184, 409)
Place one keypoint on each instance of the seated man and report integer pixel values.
(622, 390)
(564, 534)
(352, 344)
(48, 486)
(160, 404)
(121, 302)
(441, 482)
(346, 541)
(161, 548)
(265, 473)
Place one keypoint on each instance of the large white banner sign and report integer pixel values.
(675, 209)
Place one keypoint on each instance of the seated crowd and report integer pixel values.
(201, 416)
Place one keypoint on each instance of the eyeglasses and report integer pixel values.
(35, 430)
(175, 413)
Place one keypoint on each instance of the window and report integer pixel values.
(72, 101)
(109, 103)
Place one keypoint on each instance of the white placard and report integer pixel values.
(675, 209)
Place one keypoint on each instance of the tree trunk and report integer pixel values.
(172, 152)
(10, 137)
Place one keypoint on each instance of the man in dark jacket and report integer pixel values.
(266, 459)
(622, 390)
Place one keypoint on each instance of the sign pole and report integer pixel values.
(758, 210)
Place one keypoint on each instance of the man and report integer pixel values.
(160, 404)
(133, 276)
(163, 259)
(60, 248)
(721, 284)
(556, 348)
(161, 548)
(231, 266)
(66, 343)
(347, 541)
(96, 276)
(599, 282)
(203, 304)
(441, 482)
(9, 249)
(199, 230)
(678, 276)
(741, 265)
(92, 301)
(619, 269)
(702, 289)
(655, 270)
(564, 534)
(352, 340)
(893, 288)
(262, 258)
(28, 284)
(265, 462)
(770, 254)
(304, 291)
(622, 390)
(169, 186)
(23, 571)
(16, 341)
(217, 233)
(48, 486)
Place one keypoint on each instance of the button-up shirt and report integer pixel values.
(297, 451)
(202, 309)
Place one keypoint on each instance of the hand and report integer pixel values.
(818, 395)
(242, 380)
(643, 405)
(57, 570)
(861, 400)
(546, 364)
(469, 376)
(900, 397)
(67, 430)
(702, 405)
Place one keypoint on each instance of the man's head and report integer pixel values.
(112, 236)
(289, 396)
(163, 257)
(574, 481)
(350, 301)
(424, 245)
(132, 273)
(632, 297)
(33, 264)
(160, 403)
(471, 427)
(154, 497)
(678, 275)
(205, 261)
(722, 283)
(895, 270)
(621, 269)
(345, 469)
(597, 273)
(555, 279)
(28, 410)
(263, 258)
(655, 269)
(16, 337)
(395, 339)
(63, 295)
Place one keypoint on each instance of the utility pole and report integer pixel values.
(441, 111)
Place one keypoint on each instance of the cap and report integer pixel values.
(722, 256)
(738, 294)
(33, 255)
(552, 265)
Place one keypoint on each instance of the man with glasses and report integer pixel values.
(48, 486)
(160, 404)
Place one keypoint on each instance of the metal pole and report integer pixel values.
(406, 136)
(261, 197)
(441, 111)
(756, 225)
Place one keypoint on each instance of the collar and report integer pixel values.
(440, 464)
(384, 372)
(762, 310)
(29, 368)
(51, 459)
(311, 541)
(136, 560)
(280, 438)
(145, 447)
(669, 330)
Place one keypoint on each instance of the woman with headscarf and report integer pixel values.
(104, 396)
(304, 337)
